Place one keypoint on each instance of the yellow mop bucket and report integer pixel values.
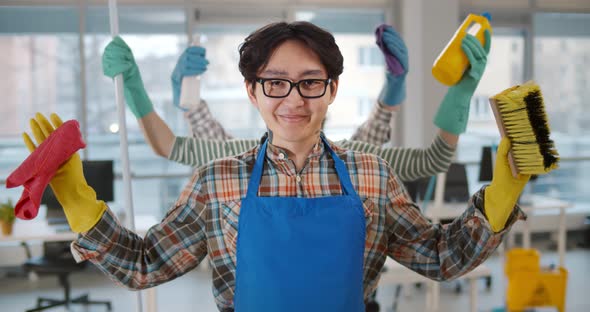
(529, 285)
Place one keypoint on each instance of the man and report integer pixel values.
(409, 164)
(297, 223)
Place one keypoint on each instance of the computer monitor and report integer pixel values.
(417, 188)
(456, 186)
(486, 168)
(99, 175)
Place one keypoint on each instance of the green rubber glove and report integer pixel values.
(503, 192)
(453, 112)
(118, 59)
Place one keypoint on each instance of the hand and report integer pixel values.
(478, 58)
(192, 62)
(393, 91)
(503, 192)
(118, 59)
(78, 200)
(453, 112)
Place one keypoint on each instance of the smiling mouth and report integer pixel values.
(293, 118)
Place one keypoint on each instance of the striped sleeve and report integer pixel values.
(197, 152)
(411, 163)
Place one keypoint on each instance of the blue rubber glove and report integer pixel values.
(192, 62)
(453, 112)
(118, 59)
(393, 91)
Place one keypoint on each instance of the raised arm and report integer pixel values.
(118, 59)
(407, 163)
(157, 134)
(377, 129)
(203, 125)
(451, 117)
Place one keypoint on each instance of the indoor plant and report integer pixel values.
(6, 217)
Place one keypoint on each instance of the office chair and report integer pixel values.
(58, 260)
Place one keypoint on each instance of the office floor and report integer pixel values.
(192, 292)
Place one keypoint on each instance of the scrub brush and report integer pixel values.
(520, 115)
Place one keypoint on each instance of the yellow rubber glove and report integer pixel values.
(78, 200)
(503, 192)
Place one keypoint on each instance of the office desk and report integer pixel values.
(453, 210)
(536, 203)
(39, 230)
(397, 274)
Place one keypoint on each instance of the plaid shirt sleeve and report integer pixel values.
(171, 248)
(376, 129)
(204, 125)
(441, 252)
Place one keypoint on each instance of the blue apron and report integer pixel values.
(300, 254)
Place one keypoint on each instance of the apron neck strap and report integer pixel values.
(256, 176)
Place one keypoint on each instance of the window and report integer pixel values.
(561, 48)
(365, 106)
(223, 85)
(38, 68)
(354, 33)
(156, 37)
(42, 72)
(370, 56)
(562, 45)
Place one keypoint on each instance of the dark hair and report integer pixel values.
(257, 48)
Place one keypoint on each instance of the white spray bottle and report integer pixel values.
(190, 89)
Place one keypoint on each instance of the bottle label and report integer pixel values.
(474, 29)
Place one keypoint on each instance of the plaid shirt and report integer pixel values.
(375, 130)
(204, 125)
(204, 221)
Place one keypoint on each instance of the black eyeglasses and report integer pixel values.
(307, 88)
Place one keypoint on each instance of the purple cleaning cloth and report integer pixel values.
(393, 65)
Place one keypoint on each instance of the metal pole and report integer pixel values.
(130, 216)
(83, 117)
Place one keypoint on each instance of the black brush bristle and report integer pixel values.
(538, 119)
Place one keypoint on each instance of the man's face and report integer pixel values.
(292, 119)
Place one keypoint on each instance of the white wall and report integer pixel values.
(426, 26)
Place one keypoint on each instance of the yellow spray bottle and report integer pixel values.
(452, 62)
